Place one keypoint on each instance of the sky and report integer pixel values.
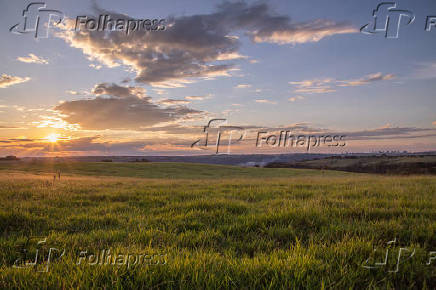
(264, 66)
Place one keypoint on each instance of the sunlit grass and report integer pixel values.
(240, 228)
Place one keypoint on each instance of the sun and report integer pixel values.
(52, 138)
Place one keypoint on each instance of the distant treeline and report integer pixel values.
(9, 158)
(379, 165)
(136, 160)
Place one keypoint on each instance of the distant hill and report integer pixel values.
(245, 160)
(9, 158)
(414, 164)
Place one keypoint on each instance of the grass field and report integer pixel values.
(215, 227)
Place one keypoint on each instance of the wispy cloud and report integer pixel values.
(366, 80)
(173, 102)
(293, 99)
(31, 58)
(243, 86)
(159, 91)
(72, 92)
(7, 127)
(316, 86)
(319, 86)
(230, 56)
(195, 98)
(96, 66)
(265, 101)
(425, 70)
(286, 32)
(8, 80)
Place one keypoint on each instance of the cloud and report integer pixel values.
(434, 123)
(93, 145)
(159, 91)
(316, 86)
(391, 133)
(31, 58)
(112, 89)
(172, 102)
(315, 90)
(320, 86)
(264, 101)
(195, 46)
(195, 98)
(56, 122)
(230, 56)
(118, 107)
(228, 112)
(7, 80)
(176, 139)
(288, 33)
(383, 133)
(7, 127)
(366, 80)
(293, 99)
(243, 86)
(425, 70)
(96, 66)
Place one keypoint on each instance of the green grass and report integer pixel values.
(239, 228)
(156, 170)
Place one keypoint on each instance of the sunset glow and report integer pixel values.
(52, 138)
